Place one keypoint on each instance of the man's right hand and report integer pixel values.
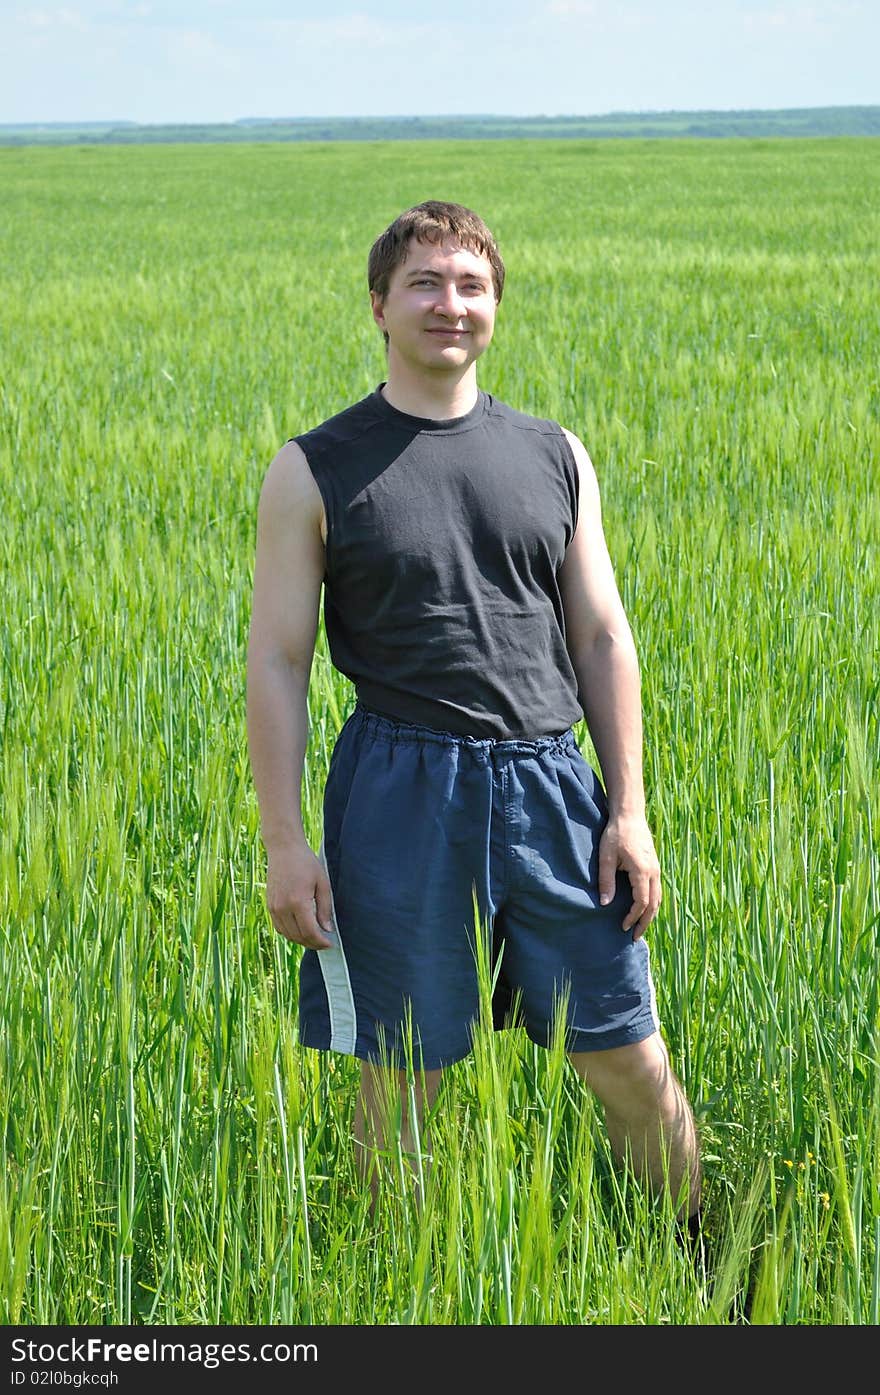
(298, 897)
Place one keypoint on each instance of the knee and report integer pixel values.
(384, 1109)
(626, 1077)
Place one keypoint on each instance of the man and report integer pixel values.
(470, 597)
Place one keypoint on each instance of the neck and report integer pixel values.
(439, 397)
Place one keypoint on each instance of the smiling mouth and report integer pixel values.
(448, 333)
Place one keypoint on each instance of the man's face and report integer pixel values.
(439, 311)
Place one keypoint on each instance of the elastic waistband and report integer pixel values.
(392, 729)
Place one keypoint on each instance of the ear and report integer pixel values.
(378, 311)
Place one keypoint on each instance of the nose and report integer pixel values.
(449, 303)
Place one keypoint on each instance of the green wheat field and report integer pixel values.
(704, 315)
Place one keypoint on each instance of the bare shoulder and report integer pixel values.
(289, 482)
(587, 482)
(586, 578)
(289, 493)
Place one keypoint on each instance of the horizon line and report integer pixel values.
(438, 116)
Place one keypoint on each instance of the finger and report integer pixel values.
(634, 915)
(310, 933)
(656, 894)
(651, 909)
(642, 923)
(297, 923)
(285, 924)
(654, 898)
(324, 904)
(641, 888)
(607, 873)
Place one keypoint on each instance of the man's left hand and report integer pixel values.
(626, 845)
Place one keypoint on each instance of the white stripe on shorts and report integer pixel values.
(654, 1012)
(337, 984)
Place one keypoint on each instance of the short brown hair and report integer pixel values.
(432, 222)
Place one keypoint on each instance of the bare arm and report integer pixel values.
(604, 659)
(288, 572)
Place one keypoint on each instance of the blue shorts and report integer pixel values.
(420, 824)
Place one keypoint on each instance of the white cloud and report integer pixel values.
(194, 46)
(124, 9)
(803, 19)
(572, 9)
(357, 29)
(52, 19)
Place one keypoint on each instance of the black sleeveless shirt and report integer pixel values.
(444, 540)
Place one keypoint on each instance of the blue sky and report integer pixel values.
(217, 60)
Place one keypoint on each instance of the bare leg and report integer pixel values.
(383, 1099)
(647, 1116)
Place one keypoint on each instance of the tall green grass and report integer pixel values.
(702, 315)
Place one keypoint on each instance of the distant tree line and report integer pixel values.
(802, 121)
